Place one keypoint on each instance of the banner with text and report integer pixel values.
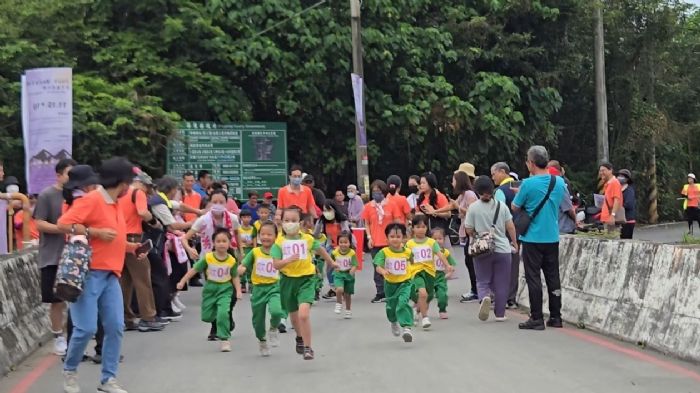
(47, 123)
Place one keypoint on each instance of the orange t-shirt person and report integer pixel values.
(295, 194)
(377, 216)
(613, 190)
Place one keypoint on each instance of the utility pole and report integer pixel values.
(358, 88)
(601, 101)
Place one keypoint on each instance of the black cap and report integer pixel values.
(11, 180)
(116, 170)
(308, 179)
(81, 176)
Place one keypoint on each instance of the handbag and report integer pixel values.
(523, 220)
(484, 243)
(72, 269)
(620, 217)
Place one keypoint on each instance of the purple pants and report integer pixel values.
(493, 277)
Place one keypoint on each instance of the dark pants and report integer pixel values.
(514, 277)
(544, 257)
(692, 214)
(469, 261)
(160, 283)
(99, 336)
(627, 231)
(378, 278)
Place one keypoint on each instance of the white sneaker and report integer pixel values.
(264, 349)
(175, 307)
(348, 314)
(501, 319)
(179, 303)
(272, 337)
(485, 308)
(111, 386)
(425, 323)
(395, 329)
(226, 346)
(416, 317)
(70, 382)
(60, 346)
(338, 308)
(407, 335)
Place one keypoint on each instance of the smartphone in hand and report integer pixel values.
(144, 247)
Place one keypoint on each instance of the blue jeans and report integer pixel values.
(102, 295)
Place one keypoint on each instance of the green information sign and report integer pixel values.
(248, 156)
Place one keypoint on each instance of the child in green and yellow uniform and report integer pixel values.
(247, 240)
(344, 276)
(265, 290)
(263, 217)
(424, 250)
(307, 224)
(395, 263)
(438, 234)
(221, 271)
(292, 255)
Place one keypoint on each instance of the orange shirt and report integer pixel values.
(193, 200)
(613, 189)
(377, 228)
(304, 199)
(131, 210)
(401, 206)
(98, 210)
(441, 200)
(19, 233)
(691, 191)
(332, 232)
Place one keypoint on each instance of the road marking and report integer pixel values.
(37, 372)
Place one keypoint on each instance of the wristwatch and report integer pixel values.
(614, 214)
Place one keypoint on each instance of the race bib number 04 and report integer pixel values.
(396, 266)
(439, 265)
(219, 273)
(265, 268)
(295, 247)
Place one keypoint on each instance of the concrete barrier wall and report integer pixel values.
(635, 291)
(24, 321)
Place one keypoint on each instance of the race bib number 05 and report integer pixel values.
(396, 266)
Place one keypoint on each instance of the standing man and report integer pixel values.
(613, 195)
(190, 197)
(252, 205)
(355, 206)
(691, 193)
(541, 240)
(319, 196)
(203, 182)
(295, 194)
(500, 174)
(48, 209)
(413, 195)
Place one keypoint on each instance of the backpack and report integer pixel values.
(156, 235)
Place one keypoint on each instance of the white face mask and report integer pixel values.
(351, 195)
(218, 208)
(330, 216)
(290, 228)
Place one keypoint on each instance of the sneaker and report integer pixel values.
(272, 338)
(395, 329)
(501, 319)
(469, 297)
(111, 386)
(338, 308)
(60, 346)
(300, 345)
(532, 324)
(130, 326)
(407, 335)
(264, 349)
(348, 314)
(555, 323)
(225, 346)
(162, 321)
(485, 309)
(380, 298)
(179, 303)
(308, 353)
(425, 323)
(70, 382)
(150, 326)
(175, 307)
(211, 337)
(443, 315)
(329, 295)
(511, 305)
(97, 359)
(282, 328)
(173, 316)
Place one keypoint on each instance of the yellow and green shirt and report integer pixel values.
(399, 264)
(450, 259)
(304, 245)
(247, 236)
(217, 271)
(345, 261)
(424, 252)
(259, 264)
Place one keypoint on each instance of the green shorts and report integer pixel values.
(424, 280)
(344, 280)
(295, 291)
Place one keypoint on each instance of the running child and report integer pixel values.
(395, 264)
(307, 225)
(220, 268)
(265, 290)
(247, 238)
(344, 276)
(292, 255)
(438, 234)
(424, 250)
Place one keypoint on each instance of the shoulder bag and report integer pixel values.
(522, 221)
(484, 243)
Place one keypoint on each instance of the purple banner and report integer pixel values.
(4, 236)
(358, 92)
(47, 123)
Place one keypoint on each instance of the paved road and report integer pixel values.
(460, 355)
(664, 233)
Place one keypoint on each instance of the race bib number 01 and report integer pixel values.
(343, 263)
(295, 247)
(396, 266)
(219, 273)
(265, 268)
(422, 254)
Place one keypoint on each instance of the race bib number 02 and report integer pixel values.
(422, 254)
(343, 263)
(295, 247)
(265, 268)
(396, 266)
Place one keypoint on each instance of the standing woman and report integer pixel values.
(377, 215)
(691, 193)
(629, 202)
(429, 198)
(331, 224)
